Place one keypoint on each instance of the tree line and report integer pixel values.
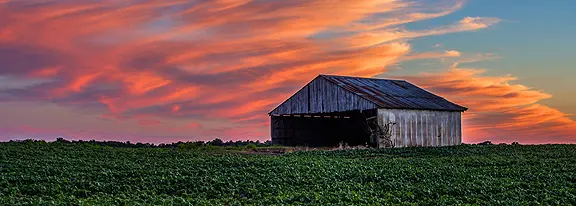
(189, 144)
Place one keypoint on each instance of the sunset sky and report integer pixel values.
(185, 70)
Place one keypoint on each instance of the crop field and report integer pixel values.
(85, 174)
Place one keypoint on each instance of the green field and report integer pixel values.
(86, 174)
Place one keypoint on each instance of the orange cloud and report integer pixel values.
(46, 72)
(500, 111)
(176, 108)
(132, 56)
(194, 125)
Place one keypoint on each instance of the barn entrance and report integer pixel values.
(323, 130)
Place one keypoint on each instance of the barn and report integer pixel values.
(334, 110)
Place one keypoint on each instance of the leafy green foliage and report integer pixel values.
(33, 173)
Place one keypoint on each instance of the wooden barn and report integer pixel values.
(332, 110)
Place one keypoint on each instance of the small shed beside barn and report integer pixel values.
(331, 110)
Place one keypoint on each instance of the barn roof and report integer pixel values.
(393, 94)
(331, 93)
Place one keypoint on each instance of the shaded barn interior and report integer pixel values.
(332, 110)
(322, 129)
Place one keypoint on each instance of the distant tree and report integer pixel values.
(485, 143)
(216, 142)
(61, 140)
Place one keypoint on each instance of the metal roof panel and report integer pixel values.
(394, 94)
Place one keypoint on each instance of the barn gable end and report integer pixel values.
(322, 96)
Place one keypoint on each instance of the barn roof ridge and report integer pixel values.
(371, 78)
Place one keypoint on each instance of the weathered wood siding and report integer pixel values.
(423, 127)
(322, 96)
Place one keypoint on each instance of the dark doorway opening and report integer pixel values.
(323, 130)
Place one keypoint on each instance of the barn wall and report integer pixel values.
(322, 96)
(423, 127)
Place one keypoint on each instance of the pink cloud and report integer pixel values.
(149, 122)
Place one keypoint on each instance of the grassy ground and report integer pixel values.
(84, 174)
